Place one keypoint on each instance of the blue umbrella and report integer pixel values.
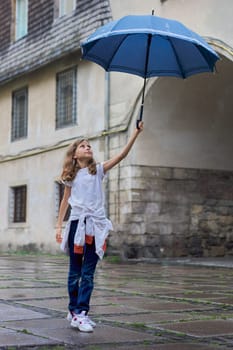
(149, 46)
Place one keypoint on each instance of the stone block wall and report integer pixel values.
(170, 212)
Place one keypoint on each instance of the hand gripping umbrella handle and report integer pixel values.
(140, 117)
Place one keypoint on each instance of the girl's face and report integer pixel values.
(83, 151)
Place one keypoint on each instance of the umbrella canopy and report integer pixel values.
(149, 46)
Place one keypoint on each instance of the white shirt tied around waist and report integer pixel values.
(87, 206)
(95, 226)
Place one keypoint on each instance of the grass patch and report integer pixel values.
(113, 259)
(25, 331)
(138, 325)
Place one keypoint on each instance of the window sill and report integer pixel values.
(18, 225)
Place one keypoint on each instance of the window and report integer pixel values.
(18, 204)
(21, 18)
(59, 194)
(66, 6)
(66, 98)
(63, 7)
(19, 114)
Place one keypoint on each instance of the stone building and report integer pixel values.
(173, 195)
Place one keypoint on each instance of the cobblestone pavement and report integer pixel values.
(164, 305)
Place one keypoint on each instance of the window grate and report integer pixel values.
(66, 98)
(19, 114)
(19, 195)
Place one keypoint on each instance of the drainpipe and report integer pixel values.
(106, 127)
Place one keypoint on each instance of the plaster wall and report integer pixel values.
(41, 85)
(39, 173)
(172, 196)
(36, 161)
(188, 123)
(206, 17)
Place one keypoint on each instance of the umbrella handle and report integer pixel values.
(143, 96)
(137, 124)
(140, 117)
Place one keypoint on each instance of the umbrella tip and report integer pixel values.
(153, 12)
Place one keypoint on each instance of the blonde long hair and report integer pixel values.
(70, 165)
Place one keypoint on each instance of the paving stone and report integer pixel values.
(127, 346)
(56, 304)
(224, 300)
(187, 294)
(60, 330)
(124, 300)
(31, 293)
(102, 294)
(24, 284)
(11, 312)
(60, 279)
(139, 304)
(147, 318)
(106, 334)
(35, 324)
(159, 306)
(144, 290)
(112, 309)
(203, 328)
(12, 338)
(188, 346)
(215, 288)
(136, 305)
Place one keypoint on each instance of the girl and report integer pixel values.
(87, 228)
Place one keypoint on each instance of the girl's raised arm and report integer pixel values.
(109, 164)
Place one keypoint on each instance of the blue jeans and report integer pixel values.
(81, 273)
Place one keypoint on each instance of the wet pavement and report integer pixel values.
(164, 305)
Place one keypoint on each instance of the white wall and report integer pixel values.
(39, 171)
(209, 18)
(206, 17)
(42, 106)
(188, 123)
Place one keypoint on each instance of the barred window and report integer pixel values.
(59, 195)
(18, 204)
(21, 18)
(66, 98)
(19, 114)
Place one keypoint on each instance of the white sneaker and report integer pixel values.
(92, 323)
(81, 322)
(70, 315)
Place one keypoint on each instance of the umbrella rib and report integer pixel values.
(115, 51)
(177, 57)
(203, 53)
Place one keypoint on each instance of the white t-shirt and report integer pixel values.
(86, 192)
(87, 206)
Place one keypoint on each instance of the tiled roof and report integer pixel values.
(48, 39)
